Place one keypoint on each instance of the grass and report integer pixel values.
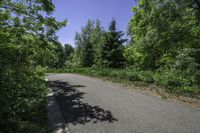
(131, 76)
(125, 74)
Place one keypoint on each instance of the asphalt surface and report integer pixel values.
(91, 105)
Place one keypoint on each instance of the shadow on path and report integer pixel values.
(74, 110)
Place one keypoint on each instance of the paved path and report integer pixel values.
(91, 105)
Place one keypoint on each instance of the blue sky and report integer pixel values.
(77, 12)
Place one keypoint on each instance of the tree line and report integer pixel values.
(164, 38)
(95, 47)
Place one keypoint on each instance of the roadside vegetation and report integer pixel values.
(27, 45)
(131, 77)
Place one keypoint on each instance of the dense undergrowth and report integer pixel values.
(23, 101)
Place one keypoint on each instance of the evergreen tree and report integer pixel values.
(112, 49)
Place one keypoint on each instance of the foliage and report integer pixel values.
(182, 73)
(112, 49)
(68, 55)
(27, 44)
(97, 40)
(165, 38)
(68, 50)
(96, 47)
(84, 46)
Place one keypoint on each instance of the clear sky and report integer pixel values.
(77, 12)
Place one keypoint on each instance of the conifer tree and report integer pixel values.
(112, 49)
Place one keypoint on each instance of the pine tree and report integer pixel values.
(112, 50)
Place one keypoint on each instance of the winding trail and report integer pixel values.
(90, 105)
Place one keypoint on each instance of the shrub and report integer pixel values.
(167, 78)
(121, 74)
(133, 76)
(177, 81)
(146, 76)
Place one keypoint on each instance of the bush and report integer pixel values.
(167, 78)
(192, 90)
(121, 74)
(133, 76)
(23, 100)
(177, 81)
(113, 74)
(146, 76)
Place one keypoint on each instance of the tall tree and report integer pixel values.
(97, 40)
(84, 46)
(112, 49)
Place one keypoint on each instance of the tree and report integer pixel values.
(68, 51)
(85, 51)
(60, 52)
(27, 37)
(152, 31)
(112, 49)
(68, 55)
(99, 48)
(166, 38)
(97, 40)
